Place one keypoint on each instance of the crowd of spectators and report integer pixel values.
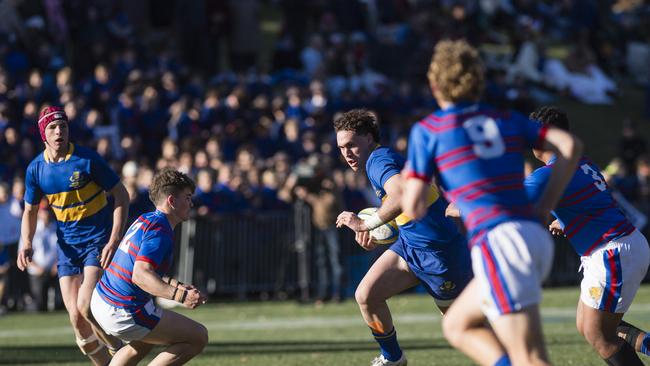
(201, 86)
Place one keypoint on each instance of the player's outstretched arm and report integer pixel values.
(27, 230)
(568, 150)
(120, 214)
(145, 277)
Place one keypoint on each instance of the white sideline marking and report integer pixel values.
(550, 315)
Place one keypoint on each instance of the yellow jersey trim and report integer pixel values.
(432, 197)
(63, 200)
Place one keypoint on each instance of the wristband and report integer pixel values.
(373, 221)
(180, 297)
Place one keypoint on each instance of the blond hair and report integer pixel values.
(456, 71)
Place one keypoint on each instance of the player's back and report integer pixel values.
(434, 230)
(476, 153)
(587, 212)
(149, 239)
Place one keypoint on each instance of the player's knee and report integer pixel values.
(452, 330)
(600, 342)
(362, 295)
(77, 320)
(83, 307)
(200, 339)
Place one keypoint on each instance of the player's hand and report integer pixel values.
(556, 229)
(452, 211)
(107, 255)
(351, 220)
(24, 257)
(365, 240)
(194, 298)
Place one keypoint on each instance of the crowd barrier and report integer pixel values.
(269, 255)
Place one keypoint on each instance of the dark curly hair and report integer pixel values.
(551, 115)
(168, 182)
(360, 121)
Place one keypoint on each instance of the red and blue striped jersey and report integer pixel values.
(151, 239)
(476, 154)
(587, 213)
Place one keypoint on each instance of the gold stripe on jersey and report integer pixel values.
(63, 200)
(78, 212)
(431, 199)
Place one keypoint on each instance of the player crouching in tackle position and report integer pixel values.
(75, 181)
(476, 155)
(123, 302)
(614, 255)
(430, 251)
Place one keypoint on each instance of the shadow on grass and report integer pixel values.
(11, 355)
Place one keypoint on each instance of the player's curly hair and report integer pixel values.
(551, 115)
(456, 71)
(361, 121)
(168, 182)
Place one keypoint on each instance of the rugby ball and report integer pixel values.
(384, 234)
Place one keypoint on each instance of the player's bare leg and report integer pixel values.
(86, 339)
(92, 274)
(388, 276)
(466, 328)
(185, 339)
(131, 354)
(599, 329)
(521, 335)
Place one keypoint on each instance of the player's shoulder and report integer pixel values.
(155, 221)
(38, 159)
(384, 154)
(85, 153)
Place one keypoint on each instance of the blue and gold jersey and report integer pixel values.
(434, 230)
(76, 190)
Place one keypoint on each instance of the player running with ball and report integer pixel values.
(430, 251)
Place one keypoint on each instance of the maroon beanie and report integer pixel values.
(50, 114)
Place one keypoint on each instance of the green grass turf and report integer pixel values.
(287, 333)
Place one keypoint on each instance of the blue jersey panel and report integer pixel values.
(75, 189)
(434, 230)
(587, 212)
(476, 154)
(149, 239)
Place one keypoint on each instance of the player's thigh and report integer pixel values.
(176, 328)
(521, 333)
(465, 311)
(388, 276)
(92, 274)
(597, 323)
(69, 291)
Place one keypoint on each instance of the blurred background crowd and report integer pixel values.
(241, 94)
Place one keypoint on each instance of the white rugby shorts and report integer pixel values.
(127, 326)
(510, 262)
(612, 274)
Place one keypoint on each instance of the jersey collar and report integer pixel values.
(460, 107)
(67, 156)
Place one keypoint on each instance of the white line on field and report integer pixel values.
(550, 315)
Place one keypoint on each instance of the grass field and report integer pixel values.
(287, 333)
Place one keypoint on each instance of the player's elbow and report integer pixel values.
(138, 277)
